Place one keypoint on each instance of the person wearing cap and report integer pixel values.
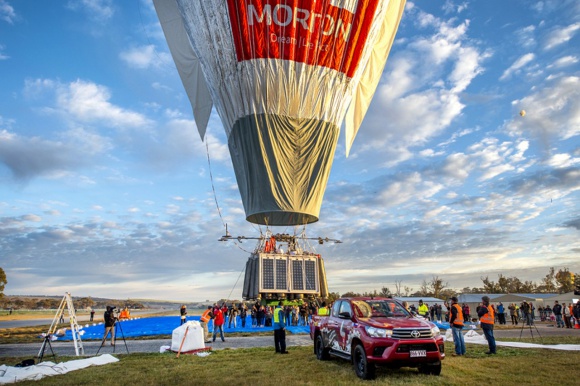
(456, 322)
(486, 315)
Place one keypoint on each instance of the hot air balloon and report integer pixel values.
(522, 113)
(283, 77)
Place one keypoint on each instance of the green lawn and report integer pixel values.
(260, 366)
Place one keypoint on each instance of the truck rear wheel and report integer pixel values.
(362, 367)
(322, 353)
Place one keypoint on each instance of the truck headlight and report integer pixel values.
(435, 332)
(374, 332)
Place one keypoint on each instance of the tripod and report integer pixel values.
(113, 337)
(45, 343)
(530, 322)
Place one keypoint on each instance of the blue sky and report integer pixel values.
(105, 187)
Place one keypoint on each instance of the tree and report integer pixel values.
(565, 280)
(447, 293)
(489, 286)
(398, 284)
(385, 292)
(350, 294)
(549, 282)
(424, 290)
(84, 302)
(503, 284)
(437, 286)
(3, 282)
(332, 296)
(407, 291)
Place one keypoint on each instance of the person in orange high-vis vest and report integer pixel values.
(204, 320)
(486, 315)
(456, 323)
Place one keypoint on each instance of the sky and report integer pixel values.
(106, 189)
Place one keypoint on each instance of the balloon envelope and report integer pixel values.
(282, 75)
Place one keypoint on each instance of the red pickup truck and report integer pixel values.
(377, 331)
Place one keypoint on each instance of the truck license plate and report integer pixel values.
(418, 353)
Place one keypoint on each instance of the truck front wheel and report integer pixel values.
(431, 368)
(362, 367)
(322, 353)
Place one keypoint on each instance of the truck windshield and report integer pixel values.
(378, 309)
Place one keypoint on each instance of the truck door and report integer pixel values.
(344, 321)
(332, 324)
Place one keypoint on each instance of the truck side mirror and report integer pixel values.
(344, 315)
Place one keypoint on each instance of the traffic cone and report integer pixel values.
(577, 325)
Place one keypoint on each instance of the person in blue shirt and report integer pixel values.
(280, 329)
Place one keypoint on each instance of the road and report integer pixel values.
(154, 345)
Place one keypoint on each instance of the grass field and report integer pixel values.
(259, 366)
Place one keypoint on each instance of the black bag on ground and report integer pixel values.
(26, 363)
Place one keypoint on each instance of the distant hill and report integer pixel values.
(53, 302)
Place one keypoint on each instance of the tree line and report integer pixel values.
(561, 281)
(51, 303)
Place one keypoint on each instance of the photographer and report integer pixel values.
(110, 321)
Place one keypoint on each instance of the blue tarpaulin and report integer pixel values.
(164, 325)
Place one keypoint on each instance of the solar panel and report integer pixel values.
(310, 273)
(297, 275)
(268, 274)
(281, 273)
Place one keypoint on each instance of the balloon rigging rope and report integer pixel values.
(161, 60)
(212, 184)
(236, 283)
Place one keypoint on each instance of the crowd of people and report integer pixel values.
(457, 315)
(236, 314)
(565, 316)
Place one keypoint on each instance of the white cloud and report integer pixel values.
(3, 56)
(457, 166)
(560, 35)
(95, 9)
(526, 37)
(552, 111)
(518, 65)
(145, 57)
(7, 12)
(493, 157)
(87, 142)
(32, 217)
(418, 94)
(562, 160)
(89, 102)
(564, 62)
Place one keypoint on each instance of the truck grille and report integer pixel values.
(412, 333)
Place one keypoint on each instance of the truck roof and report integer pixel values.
(367, 298)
